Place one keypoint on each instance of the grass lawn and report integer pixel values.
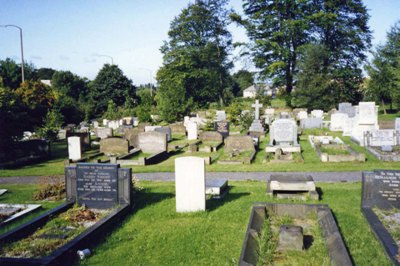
(154, 234)
(22, 194)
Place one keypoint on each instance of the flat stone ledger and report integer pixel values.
(337, 251)
(290, 238)
(381, 189)
(217, 188)
(2, 191)
(10, 212)
(299, 187)
(97, 185)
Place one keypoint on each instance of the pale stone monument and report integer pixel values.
(283, 136)
(302, 115)
(256, 125)
(366, 120)
(317, 113)
(192, 130)
(190, 187)
(397, 124)
(152, 142)
(74, 148)
(221, 115)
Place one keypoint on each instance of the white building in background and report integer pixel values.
(46, 82)
(264, 89)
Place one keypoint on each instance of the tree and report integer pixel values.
(241, 81)
(276, 30)
(196, 64)
(314, 88)
(10, 71)
(384, 70)
(51, 125)
(44, 73)
(110, 84)
(279, 29)
(145, 105)
(68, 84)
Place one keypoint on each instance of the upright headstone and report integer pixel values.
(221, 115)
(152, 142)
(131, 134)
(166, 130)
(190, 185)
(311, 122)
(104, 132)
(150, 128)
(283, 131)
(74, 148)
(222, 127)
(192, 130)
(62, 134)
(347, 108)
(317, 113)
(338, 121)
(256, 125)
(397, 124)
(302, 115)
(114, 146)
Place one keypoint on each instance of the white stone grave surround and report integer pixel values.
(192, 130)
(321, 139)
(317, 113)
(381, 137)
(190, 187)
(74, 148)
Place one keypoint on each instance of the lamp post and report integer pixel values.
(22, 47)
(103, 55)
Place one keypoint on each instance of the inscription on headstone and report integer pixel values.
(222, 127)
(97, 185)
(381, 188)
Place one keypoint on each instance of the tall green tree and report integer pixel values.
(10, 72)
(384, 70)
(241, 81)
(195, 58)
(276, 30)
(110, 84)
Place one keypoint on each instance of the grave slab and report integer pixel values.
(217, 188)
(285, 186)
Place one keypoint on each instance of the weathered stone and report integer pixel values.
(290, 238)
(190, 184)
(74, 148)
(239, 143)
(210, 136)
(152, 142)
(311, 122)
(104, 132)
(114, 146)
(192, 130)
(178, 129)
(142, 126)
(281, 184)
(220, 116)
(222, 127)
(166, 130)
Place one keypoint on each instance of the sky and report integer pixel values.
(80, 36)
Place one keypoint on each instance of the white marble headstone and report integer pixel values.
(302, 115)
(221, 115)
(74, 148)
(397, 124)
(317, 113)
(192, 130)
(190, 187)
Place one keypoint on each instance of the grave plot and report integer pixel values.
(98, 196)
(381, 207)
(384, 144)
(293, 234)
(238, 150)
(210, 141)
(331, 149)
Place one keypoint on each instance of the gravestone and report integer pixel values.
(380, 137)
(269, 115)
(166, 130)
(366, 120)
(286, 186)
(256, 125)
(152, 142)
(302, 115)
(222, 127)
(190, 184)
(317, 113)
(104, 132)
(347, 108)
(105, 122)
(220, 115)
(150, 128)
(192, 130)
(74, 148)
(239, 143)
(131, 134)
(290, 238)
(178, 129)
(142, 126)
(114, 146)
(85, 138)
(62, 134)
(210, 136)
(283, 136)
(311, 122)
(98, 185)
(338, 121)
(95, 124)
(217, 188)
(397, 124)
(2, 191)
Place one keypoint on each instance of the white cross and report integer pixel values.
(257, 106)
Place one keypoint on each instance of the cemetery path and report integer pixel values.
(232, 176)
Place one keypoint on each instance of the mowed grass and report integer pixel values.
(154, 234)
(22, 194)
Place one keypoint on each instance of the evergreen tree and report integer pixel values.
(195, 58)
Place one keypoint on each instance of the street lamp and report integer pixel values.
(22, 48)
(103, 55)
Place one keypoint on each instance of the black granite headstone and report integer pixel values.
(381, 189)
(97, 185)
(222, 127)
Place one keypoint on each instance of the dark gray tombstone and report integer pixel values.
(97, 185)
(381, 189)
(222, 127)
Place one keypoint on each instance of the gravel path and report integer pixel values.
(233, 176)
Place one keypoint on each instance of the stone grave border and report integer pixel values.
(379, 230)
(336, 248)
(331, 158)
(29, 208)
(246, 160)
(87, 239)
(393, 157)
(152, 159)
